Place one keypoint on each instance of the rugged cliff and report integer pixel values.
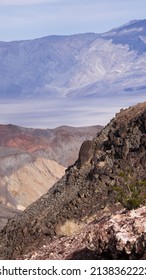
(109, 171)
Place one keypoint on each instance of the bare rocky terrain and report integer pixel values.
(112, 235)
(99, 201)
(5, 214)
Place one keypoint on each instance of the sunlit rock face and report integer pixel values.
(29, 182)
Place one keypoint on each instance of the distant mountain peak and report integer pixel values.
(131, 22)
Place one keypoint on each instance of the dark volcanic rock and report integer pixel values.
(110, 169)
(5, 214)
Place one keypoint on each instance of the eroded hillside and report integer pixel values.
(32, 160)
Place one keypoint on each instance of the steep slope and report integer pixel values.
(25, 185)
(110, 169)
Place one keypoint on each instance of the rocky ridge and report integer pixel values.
(110, 169)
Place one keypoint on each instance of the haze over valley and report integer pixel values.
(76, 80)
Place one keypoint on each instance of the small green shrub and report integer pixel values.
(132, 195)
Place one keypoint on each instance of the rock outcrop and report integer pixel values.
(110, 170)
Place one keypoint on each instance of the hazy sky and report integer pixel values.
(53, 113)
(25, 19)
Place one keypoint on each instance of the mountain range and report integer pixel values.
(78, 65)
(77, 80)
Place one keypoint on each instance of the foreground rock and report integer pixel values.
(110, 169)
(112, 236)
